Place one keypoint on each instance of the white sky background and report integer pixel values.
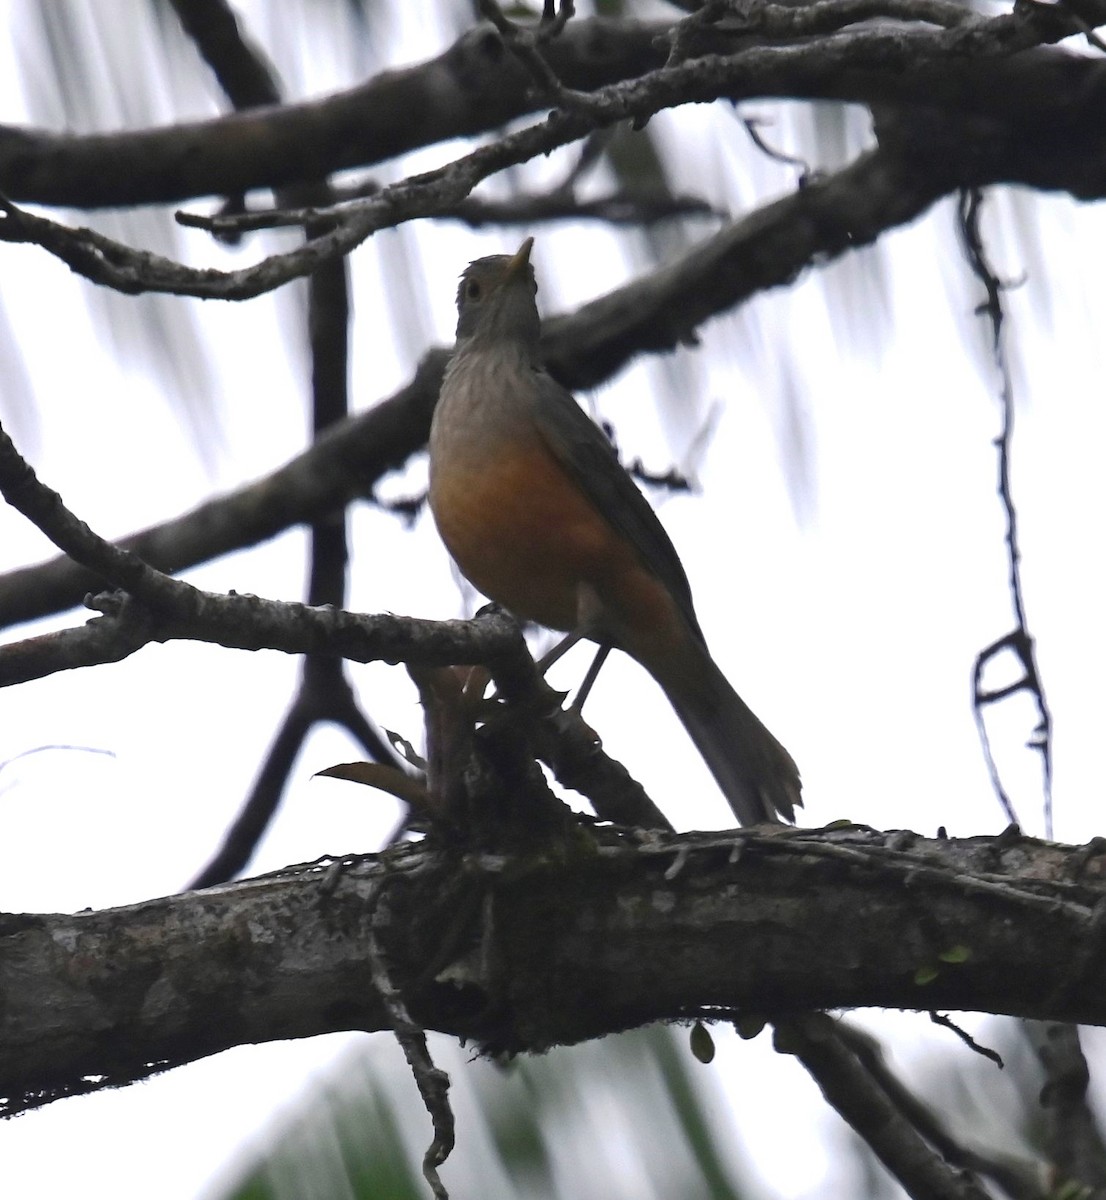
(851, 631)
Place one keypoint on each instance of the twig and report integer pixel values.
(44, 508)
(432, 1082)
(523, 44)
(670, 480)
(622, 207)
(752, 128)
(985, 1051)
(1019, 640)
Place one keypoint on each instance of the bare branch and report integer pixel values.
(240, 622)
(1018, 1176)
(433, 1083)
(852, 1090)
(1019, 642)
(841, 66)
(986, 1052)
(22, 489)
(623, 207)
(1072, 1137)
(473, 87)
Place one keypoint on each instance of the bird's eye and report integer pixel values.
(473, 290)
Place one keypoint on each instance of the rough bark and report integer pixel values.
(525, 951)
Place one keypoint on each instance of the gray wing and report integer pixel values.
(584, 451)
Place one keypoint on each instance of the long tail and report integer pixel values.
(756, 774)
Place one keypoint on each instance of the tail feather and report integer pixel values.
(756, 774)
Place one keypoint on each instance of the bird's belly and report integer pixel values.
(522, 533)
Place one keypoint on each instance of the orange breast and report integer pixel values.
(526, 536)
(520, 532)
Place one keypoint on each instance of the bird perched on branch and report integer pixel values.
(538, 513)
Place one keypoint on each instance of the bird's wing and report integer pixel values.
(583, 450)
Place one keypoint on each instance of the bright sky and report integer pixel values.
(852, 631)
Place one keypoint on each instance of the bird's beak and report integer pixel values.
(519, 260)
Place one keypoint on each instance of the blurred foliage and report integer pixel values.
(625, 1117)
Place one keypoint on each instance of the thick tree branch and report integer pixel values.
(523, 954)
(477, 86)
(841, 65)
(473, 87)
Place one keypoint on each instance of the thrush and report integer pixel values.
(539, 515)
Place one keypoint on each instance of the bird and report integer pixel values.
(540, 516)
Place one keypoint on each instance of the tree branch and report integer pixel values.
(851, 1089)
(625, 206)
(472, 87)
(1018, 1176)
(1071, 1134)
(842, 66)
(523, 954)
(476, 86)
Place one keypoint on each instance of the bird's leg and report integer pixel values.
(589, 625)
(560, 649)
(589, 679)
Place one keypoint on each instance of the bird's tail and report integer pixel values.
(756, 774)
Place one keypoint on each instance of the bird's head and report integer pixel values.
(495, 298)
